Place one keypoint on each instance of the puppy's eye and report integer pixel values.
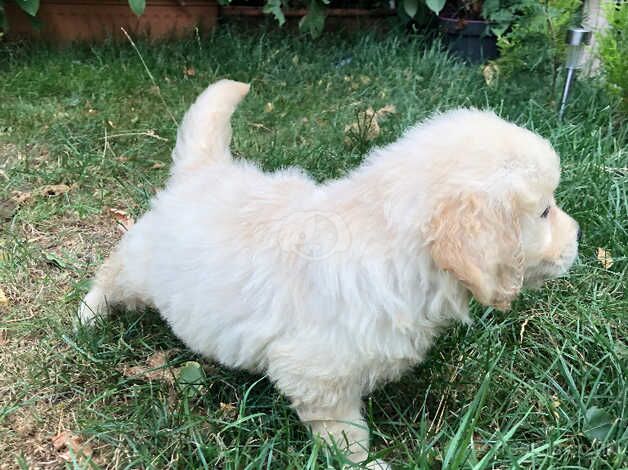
(545, 212)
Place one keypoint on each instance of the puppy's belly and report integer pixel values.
(219, 325)
(233, 344)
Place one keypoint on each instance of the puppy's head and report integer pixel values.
(494, 223)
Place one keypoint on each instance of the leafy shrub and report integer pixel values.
(31, 7)
(28, 6)
(613, 52)
(536, 40)
(313, 22)
(499, 13)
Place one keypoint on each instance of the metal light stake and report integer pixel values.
(577, 39)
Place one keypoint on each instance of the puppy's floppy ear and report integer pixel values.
(478, 240)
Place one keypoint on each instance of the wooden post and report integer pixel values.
(594, 19)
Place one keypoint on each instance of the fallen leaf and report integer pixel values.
(20, 197)
(54, 190)
(10, 206)
(604, 257)
(228, 410)
(155, 369)
(490, 72)
(159, 359)
(7, 209)
(191, 377)
(226, 406)
(4, 300)
(111, 123)
(269, 107)
(367, 126)
(124, 221)
(189, 71)
(58, 441)
(72, 445)
(56, 260)
(191, 373)
(157, 165)
(3, 337)
(388, 109)
(598, 424)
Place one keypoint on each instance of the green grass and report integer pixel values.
(537, 387)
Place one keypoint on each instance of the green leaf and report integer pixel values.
(314, 21)
(501, 21)
(191, 374)
(4, 24)
(598, 424)
(29, 6)
(55, 260)
(435, 5)
(138, 6)
(411, 7)
(489, 7)
(274, 7)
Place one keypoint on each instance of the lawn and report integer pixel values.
(85, 141)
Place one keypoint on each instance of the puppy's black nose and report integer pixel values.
(579, 234)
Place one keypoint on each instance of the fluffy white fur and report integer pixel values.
(333, 289)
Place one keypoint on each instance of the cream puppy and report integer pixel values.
(332, 289)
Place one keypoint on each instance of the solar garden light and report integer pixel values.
(577, 39)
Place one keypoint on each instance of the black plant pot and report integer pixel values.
(469, 39)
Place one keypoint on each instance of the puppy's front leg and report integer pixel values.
(344, 427)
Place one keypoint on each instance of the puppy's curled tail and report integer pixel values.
(205, 133)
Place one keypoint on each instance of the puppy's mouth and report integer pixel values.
(536, 276)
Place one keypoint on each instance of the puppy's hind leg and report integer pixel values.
(108, 290)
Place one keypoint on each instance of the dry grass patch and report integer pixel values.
(43, 263)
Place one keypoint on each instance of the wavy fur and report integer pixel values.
(333, 289)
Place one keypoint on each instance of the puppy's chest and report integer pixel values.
(393, 362)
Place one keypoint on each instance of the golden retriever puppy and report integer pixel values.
(332, 289)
